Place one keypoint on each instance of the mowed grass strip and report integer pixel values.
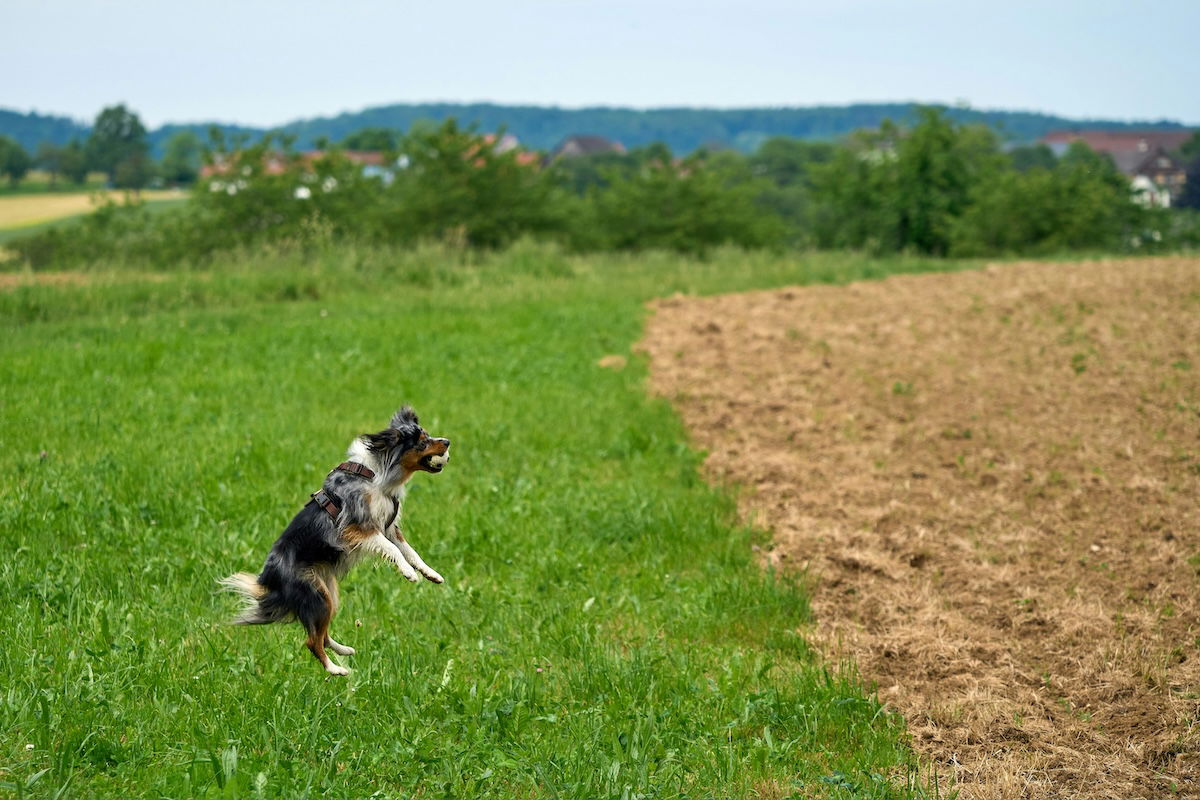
(29, 210)
(604, 631)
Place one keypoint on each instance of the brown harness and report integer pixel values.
(355, 468)
(329, 503)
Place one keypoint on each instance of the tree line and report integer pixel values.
(542, 127)
(934, 187)
(117, 146)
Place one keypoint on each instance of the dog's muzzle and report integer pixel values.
(438, 462)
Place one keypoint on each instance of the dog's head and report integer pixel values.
(406, 447)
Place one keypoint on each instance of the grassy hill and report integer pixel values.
(541, 127)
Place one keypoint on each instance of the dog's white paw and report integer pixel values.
(334, 669)
(405, 569)
(432, 576)
(341, 649)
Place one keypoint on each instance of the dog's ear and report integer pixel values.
(405, 416)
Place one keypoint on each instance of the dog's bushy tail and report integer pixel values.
(253, 593)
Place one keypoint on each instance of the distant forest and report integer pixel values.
(542, 127)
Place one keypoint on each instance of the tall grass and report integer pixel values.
(604, 632)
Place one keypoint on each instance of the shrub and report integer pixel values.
(684, 206)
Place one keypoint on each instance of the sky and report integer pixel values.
(264, 62)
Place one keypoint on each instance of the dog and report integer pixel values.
(355, 513)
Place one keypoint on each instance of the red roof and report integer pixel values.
(277, 164)
(1125, 141)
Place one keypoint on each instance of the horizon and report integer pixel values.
(188, 64)
(87, 121)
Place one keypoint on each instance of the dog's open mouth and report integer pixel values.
(435, 462)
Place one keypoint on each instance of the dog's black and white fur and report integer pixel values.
(300, 579)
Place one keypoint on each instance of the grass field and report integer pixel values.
(38, 181)
(604, 631)
(24, 212)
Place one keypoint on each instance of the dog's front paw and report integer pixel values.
(432, 576)
(404, 569)
(334, 669)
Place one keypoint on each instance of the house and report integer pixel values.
(278, 163)
(371, 163)
(507, 144)
(1143, 156)
(586, 145)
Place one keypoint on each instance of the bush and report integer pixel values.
(943, 189)
(456, 186)
(936, 189)
(683, 206)
(1083, 203)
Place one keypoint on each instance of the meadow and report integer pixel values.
(605, 631)
(38, 181)
(22, 213)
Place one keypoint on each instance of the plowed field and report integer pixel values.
(992, 481)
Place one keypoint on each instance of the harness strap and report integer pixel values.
(322, 499)
(329, 503)
(355, 468)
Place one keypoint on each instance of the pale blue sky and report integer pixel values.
(266, 62)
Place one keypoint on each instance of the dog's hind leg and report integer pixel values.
(340, 649)
(315, 612)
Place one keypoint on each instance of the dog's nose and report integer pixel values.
(446, 442)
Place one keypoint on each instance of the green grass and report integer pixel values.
(604, 632)
(37, 182)
(8, 234)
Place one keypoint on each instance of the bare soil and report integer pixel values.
(992, 480)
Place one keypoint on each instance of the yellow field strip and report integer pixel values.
(19, 211)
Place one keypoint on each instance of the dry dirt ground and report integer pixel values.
(992, 480)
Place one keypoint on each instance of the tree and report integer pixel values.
(788, 165)
(14, 161)
(117, 145)
(904, 190)
(1082, 203)
(1189, 197)
(457, 187)
(72, 162)
(133, 172)
(372, 140)
(181, 158)
(787, 162)
(49, 158)
(1190, 149)
(692, 205)
(938, 164)
(1030, 156)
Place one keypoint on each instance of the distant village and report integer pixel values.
(375, 163)
(1144, 156)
